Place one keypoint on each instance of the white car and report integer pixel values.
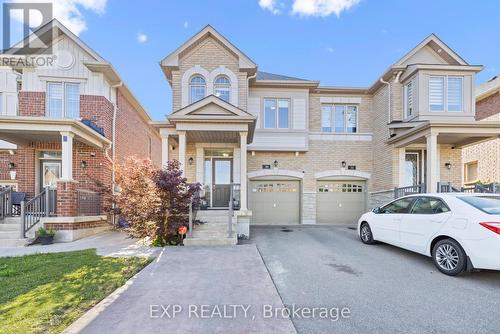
(460, 231)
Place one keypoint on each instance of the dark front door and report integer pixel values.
(222, 171)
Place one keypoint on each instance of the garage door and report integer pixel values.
(274, 202)
(340, 202)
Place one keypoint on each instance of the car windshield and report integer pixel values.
(488, 204)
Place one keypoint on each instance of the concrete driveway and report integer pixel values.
(192, 290)
(387, 289)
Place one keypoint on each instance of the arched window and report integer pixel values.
(197, 88)
(222, 88)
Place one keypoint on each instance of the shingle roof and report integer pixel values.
(488, 86)
(276, 77)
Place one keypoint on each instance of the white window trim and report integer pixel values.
(63, 83)
(332, 116)
(277, 99)
(466, 171)
(190, 97)
(445, 93)
(228, 87)
(413, 95)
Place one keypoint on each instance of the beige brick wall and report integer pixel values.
(454, 156)
(487, 155)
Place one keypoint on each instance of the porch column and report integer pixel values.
(182, 151)
(67, 156)
(243, 171)
(432, 162)
(164, 151)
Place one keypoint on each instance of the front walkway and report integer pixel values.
(110, 243)
(210, 287)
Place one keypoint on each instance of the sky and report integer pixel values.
(338, 42)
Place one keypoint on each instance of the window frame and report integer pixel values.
(410, 211)
(276, 115)
(191, 85)
(446, 78)
(410, 83)
(225, 86)
(412, 201)
(1, 103)
(333, 107)
(64, 100)
(466, 171)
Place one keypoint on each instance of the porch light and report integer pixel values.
(447, 165)
(191, 160)
(83, 164)
(344, 164)
(12, 165)
(275, 163)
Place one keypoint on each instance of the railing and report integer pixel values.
(236, 190)
(42, 205)
(5, 202)
(88, 203)
(447, 187)
(194, 206)
(415, 189)
(230, 212)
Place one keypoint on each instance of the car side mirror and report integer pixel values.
(376, 210)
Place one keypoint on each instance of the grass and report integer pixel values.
(45, 293)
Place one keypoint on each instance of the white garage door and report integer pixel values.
(340, 202)
(274, 202)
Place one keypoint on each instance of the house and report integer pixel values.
(63, 130)
(482, 161)
(296, 152)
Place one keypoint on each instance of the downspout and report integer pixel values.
(388, 98)
(113, 173)
(248, 85)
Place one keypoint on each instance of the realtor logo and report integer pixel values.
(21, 33)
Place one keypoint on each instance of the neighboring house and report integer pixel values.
(67, 127)
(482, 161)
(303, 153)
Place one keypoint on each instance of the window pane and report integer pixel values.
(326, 118)
(399, 206)
(436, 93)
(471, 171)
(428, 206)
(270, 114)
(409, 99)
(488, 204)
(197, 89)
(339, 118)
(1, 104)
(352, 119)
(222, 87)
(72, 101)
(222, 172)
(454, 94)
(55, 99)
(283, 114)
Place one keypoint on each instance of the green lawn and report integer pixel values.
(44, 293)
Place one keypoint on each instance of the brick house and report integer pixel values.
(296, 152)
(66, 127)
(481, 162)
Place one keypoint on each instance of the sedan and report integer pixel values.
(460, 231)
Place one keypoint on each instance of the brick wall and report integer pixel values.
(31, 103)
(489, 108)
(99, 110)
(134, 134)
(5, 159)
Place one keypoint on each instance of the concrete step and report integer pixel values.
(12, 243)
(10, 227)
(11, 220)
(211, 241)
(213, 227)
(210, 234)
(9, 234)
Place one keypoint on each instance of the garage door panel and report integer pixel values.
(340, 202)
(274, 202)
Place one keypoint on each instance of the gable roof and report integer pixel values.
(232, 111)
(172, 60)
(278, 77)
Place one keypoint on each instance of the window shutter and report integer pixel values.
(454, 94)
(436, 93)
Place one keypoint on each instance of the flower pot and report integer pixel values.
(46, 239)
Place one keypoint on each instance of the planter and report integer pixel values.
(46, 239)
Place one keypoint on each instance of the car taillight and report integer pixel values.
(495, 227)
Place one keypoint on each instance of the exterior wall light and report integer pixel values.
(447, 165)
(191, 161)
(83, 164)
(275, 163)
(12, 165)
(344, 164)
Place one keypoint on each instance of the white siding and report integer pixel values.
(299, 113)
(8, 91)
(279, 142)
(254, 109)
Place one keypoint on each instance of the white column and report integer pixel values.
(164, 151)
(243, 171)
(432, 162)
(182, 151)
(67, 156)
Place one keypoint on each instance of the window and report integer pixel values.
(409, 99)
(454, 94)
(276, 113)
(471, 171)
(222, 88)
(487, 204)
(63, 100)
(429, 206)
(340, 188)
(436, 93)
(197, 88)
(1, 104)
(398, 206)
(339, 118)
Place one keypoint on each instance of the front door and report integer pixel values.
(50, 172)
(221, 182)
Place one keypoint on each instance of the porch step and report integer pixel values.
(13, 242)
(211, 241)
(210, 233)
(11, 220)
(10, 227)
(9, 234)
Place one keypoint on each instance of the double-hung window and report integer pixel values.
(445, 94)
(63, 100)
(339, 118)
(409, 98)
(276, 113)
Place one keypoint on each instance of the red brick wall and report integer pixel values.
(66, 198)
(31, 103)
(133, 134)
(99, 110)
(488, 107)
(5, 159)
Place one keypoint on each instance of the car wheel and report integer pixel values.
(449, 257)
(365, 234)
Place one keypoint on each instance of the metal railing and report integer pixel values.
(5, 202)
(408, 190)
(88, 203)
(42, 205)
(447, 187)
(230, 212)
(194, 206)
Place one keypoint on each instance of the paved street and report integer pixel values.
(388, 290)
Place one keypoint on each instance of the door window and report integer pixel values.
(51, 173)
(222, 172)
(429, 206)
(399, 206)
